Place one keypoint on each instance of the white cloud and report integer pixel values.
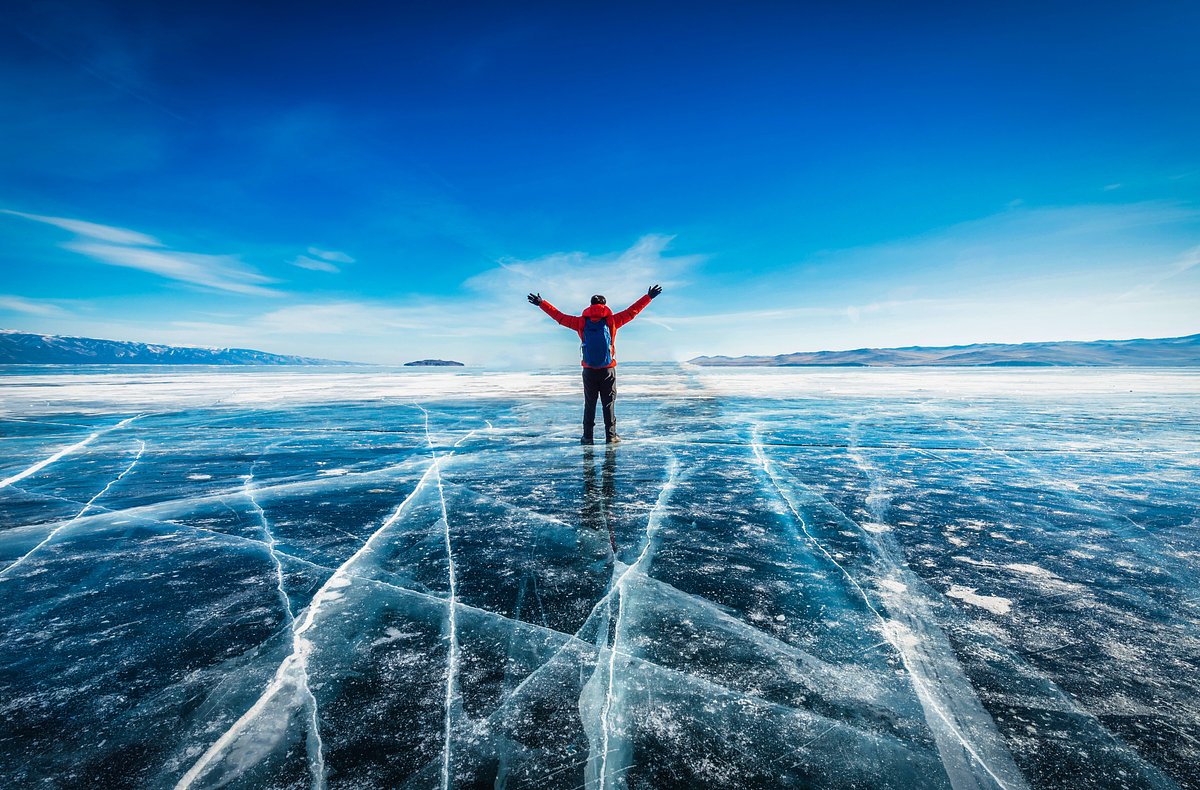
(220, 272)
(488, 322)
(1026, 274)
(20, 304)
(1023, 274)
(568, 279)
(1186, 262)
(92, 230)
(346, 318)
(133, 250)
(330, 255)
(312, 264)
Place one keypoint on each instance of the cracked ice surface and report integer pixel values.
(783, 578)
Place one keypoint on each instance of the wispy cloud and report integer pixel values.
(1186, 262)
(330, 255)
(1045, 273)
(132, 250)
(570, 278)
(312, 264)
(92, 230)
(849, 312)
(1023, 274)
(38, 307)
(409, 323)
(356, 318)
(319, 260)
(220, 272)
(487, 320)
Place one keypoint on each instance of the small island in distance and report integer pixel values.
(434, 363)
(1154, 352)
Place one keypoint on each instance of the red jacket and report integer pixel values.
(598, 312)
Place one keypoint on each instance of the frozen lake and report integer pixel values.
(418, 579)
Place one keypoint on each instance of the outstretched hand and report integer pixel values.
(535, 299)
(654, 291)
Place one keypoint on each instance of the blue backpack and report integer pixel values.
(597, 344)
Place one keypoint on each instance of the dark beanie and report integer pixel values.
(598, 299)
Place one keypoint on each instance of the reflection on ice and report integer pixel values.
(782, 579)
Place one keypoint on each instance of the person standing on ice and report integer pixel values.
(597, 329)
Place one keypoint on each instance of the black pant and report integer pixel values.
(601, 383)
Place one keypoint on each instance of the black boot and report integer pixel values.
(586, 440)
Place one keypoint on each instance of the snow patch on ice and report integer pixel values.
(392, 635)
(899, 635)
(1032, 570)
(993, 603)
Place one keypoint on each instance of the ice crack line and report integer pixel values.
(296, 663)
(573, 640)
(619, 585)
(769, 467)
(451, 615)
(40, 465)
(315, 747)
(904, 641)
(468, 434)
(186, 505)
(54, 532)
(604, 599)
(1080, 497)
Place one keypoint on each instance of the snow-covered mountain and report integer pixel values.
(1155, 352)
(21, 348)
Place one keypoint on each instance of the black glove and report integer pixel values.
(535, 299)
(654, 291)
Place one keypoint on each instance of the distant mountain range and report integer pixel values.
(20, 348)
(1156, 352)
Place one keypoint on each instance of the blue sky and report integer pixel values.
(383, 182)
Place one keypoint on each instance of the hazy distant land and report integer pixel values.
(21, 348)
(1155, 352)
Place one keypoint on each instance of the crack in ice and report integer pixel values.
(1004, 772)
(186, 505)
(297, 660)
(1061, 486)
(40, 465)
(88, 506)
(575, 641)
(56, 498)
(806, 659)
(468, 434)
(452, 660)
(653, 523)
(315, 747)
(451, 616)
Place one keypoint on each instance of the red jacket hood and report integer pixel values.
(597, 311)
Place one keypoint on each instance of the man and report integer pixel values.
(597, 329)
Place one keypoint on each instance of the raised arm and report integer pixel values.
(569, 321)
(630, 313)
